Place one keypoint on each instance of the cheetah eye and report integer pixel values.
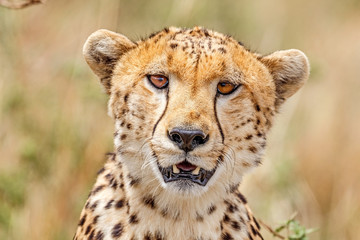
(225, 88)
(158, 81)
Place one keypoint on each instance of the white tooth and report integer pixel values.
(175, 169)
(196, 171)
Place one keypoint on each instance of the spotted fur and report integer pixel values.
(130, 199)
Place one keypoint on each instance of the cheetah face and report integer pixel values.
(192, 107)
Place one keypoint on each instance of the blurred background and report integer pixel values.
(54, 128)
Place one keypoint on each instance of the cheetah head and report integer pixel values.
(192, 107)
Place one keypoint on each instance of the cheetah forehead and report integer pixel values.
(196, 54)
(197, 40)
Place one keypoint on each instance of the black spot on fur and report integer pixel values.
(211, 209)
(147, 236)
(114, 184)
(206, 33)
(109, 204)
(248, 137)
(226, 218)
(124, 111)
(133, 181)
(220, 159)
(256, 223)
(235, 225)
(199, 218)
(174, 45)
(252, 149)
(164, 212)
(119, 204)
(99, 235)
(95, 219)
(101, 171)
(158, 236)
(222, 50)
(231, 207)
(133, 219)
(226, 236)
(242, 220)
(128, 207)
(153, 34)
(117, 230)
(111, 155)
(149, 201)
(126, 97)
(233, 188)
(97, 189)
(253, 230)
(209, 45)
(123, 137)
(92, 234)
(241, 197)
(88, 229)
(82, 220)
(109, 176)
(94, 205)
(257, 107)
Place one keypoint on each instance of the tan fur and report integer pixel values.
(130, 199)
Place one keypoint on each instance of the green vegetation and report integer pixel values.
(293, 229)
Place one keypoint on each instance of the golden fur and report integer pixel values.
(130, 199)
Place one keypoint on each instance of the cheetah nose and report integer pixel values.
(187, 140)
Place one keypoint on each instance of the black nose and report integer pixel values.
(187, 140)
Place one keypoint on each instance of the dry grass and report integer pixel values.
(54, 129)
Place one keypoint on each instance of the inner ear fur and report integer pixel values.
(102, 50)
(289, 69)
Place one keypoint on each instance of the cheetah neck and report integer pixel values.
(176, 216)
(127, 206)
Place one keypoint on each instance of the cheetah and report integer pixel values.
(192, 109)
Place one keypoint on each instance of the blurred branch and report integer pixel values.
(19, 4)
(271, 230)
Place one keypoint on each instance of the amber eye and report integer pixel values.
(225, 88)
(159, 81)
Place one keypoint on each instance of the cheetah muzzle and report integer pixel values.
(186, 172)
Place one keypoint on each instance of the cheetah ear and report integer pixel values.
(289, 69)
(102, 50)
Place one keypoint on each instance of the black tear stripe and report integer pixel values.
(217, 121)
(162, 115)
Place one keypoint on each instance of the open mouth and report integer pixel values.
(186, 171)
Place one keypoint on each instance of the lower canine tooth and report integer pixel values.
(196, 171)
(175, 169)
